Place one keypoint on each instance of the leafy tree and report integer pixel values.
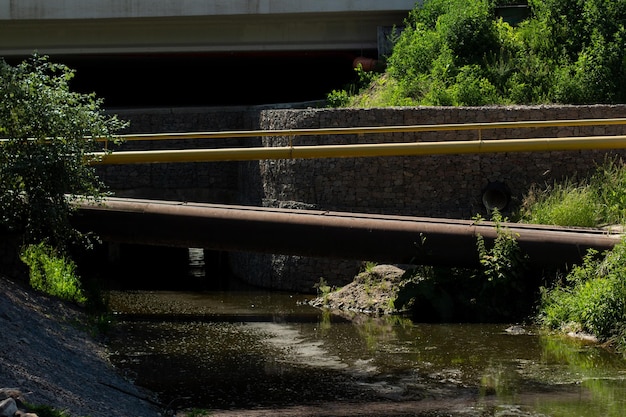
(48, 133)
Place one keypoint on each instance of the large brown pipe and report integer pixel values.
(378, 238)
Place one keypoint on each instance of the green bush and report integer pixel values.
(442, 42)
(473, 88)
(496, 291)
(51, 273)
(599, 201)
(592, 298)
(504, 261)
(455, 52)
(468, 29)
(503, 272)
(338, 98)
(49, 134)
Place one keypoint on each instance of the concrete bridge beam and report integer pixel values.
(140, 26)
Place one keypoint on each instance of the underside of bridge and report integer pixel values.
(202, 53)
(210, 78)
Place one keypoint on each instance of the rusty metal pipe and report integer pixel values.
(395, 239)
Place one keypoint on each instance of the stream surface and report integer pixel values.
(232, 351)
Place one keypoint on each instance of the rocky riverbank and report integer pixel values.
(49, 357)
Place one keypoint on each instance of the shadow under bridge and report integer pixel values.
(341, 235)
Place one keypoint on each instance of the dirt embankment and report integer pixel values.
(48, 354)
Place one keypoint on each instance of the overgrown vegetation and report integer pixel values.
(52, 273)
(56, 274)
(594, 202)
(496, 291)
(455, 52)
(591, 298)
(48, 134)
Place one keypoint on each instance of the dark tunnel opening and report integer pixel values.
(210, 79)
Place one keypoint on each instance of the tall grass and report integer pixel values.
(597, 201)
(609, 184)
(52, 273)
(565, 204)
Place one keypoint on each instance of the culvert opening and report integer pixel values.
(496, 195)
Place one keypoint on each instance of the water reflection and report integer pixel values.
(600, 375)
(225, 350)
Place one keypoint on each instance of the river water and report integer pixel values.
(231, 351)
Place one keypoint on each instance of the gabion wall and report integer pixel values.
(439, 186)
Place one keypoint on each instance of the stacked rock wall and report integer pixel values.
(198, 182)
(439, 185)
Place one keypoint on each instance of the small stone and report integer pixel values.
(23, 414)
(516, 330)
(10, 393)
(8, 408)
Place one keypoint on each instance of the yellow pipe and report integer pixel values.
(364, 150)
(372, 129)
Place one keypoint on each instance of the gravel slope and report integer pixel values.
(46, 355)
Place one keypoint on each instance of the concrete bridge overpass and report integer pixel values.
(202, 52)
(149, 26)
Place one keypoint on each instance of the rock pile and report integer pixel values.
(371, 292)
(12, 404)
